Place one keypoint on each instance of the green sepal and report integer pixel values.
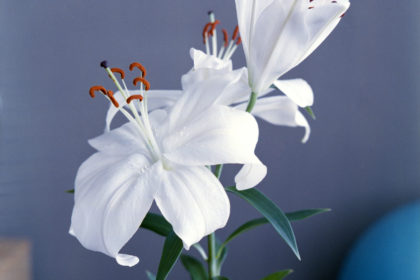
(171, 251)
(150, 275)
(273, 214)
(278, 275)
(310, 112)
(194, 267)
(70, 191)
(219, 278)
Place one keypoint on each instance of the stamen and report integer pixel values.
(239, 41)
(342, 15)
(119, 71)
(213, 26)
(96, 88)
(110, 94)
(136, 96)
(206, 31)
(235, 33)
(225, 37)
(143, 81)
(138, 66)
(104, 64)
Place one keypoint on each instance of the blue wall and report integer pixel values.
(363, 157)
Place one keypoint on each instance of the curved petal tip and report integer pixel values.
(127, 260)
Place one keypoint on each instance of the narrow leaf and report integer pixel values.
(219, 278)
(201, 251)
(150, 275)
(307, 213)
(70, 191)
(278, 275)
(157, 224)
(221, 255)
(292, 216)
(273, 214)
(194, 267)
(171, 251)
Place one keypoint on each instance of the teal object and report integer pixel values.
(390, 249)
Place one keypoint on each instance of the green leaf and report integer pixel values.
(273, 214)
(292, 216)
(278, 275)
(171, 251)
(200, 250)
(157, 224)
(219, 278)
(194, 267)
(221, 255)
(307, 213)
(150, 275)
(70, 191)
(310, 112)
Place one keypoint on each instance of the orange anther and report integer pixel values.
(213, 26)
(235, 33)
(96, 88)
(239, 40)
(143, 81)
(206, 31)
(110, 94)
(138, 66)
(136, 96)
(119, 71)
(225, 37)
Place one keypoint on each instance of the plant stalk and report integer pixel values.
(212, 261)
(211, 240)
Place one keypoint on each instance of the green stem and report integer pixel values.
(212, 261)
(211, 240)
(251, 102)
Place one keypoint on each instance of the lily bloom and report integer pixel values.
(279, 34)
(161, 157)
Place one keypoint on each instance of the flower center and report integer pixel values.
(137, 103)
(228, 47)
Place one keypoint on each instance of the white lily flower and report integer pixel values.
(277, 110)
(279, 34)
(160, 157)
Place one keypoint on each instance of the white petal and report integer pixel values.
(194, 202)
(280, 110)
(250, 175)
(124, 140)
(247, 12)
(286, 32)
(156, 99)
(322, 23)
(298, 90)
(218, 135)
(301, 121)
(199, 96)
(112, 196)
(205, 61)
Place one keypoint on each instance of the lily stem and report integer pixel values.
(251, 102)
(211, 240)
(212, 261)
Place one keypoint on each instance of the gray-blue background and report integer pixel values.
(363, 157)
